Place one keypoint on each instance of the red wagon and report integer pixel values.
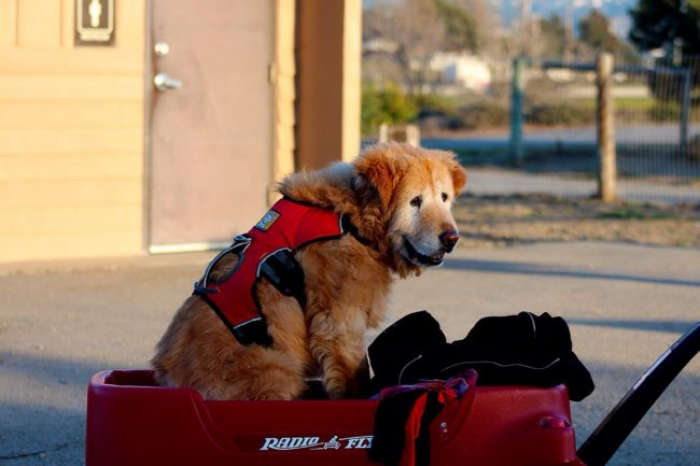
(132, 421)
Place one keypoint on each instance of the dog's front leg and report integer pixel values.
(338, 346)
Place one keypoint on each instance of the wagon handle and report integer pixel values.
(602, 444)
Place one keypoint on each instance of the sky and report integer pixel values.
(509, 10)
(616, 10)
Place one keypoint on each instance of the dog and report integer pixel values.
(395, 201)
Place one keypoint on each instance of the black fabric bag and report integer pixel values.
(522, 349)
(405, 340)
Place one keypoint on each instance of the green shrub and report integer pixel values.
(665, 111)
(483, 115)
(387, 105)
(434, 105)
(561, 114)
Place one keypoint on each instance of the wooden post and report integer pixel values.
(607, 159)
(516, 111)
(409, 134)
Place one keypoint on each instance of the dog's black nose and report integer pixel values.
(448, 239)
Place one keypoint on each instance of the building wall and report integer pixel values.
(71, 134)
(329, 53)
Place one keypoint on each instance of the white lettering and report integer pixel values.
(284, 443)
(270, 442)
(311, 441)
(289, 443)
(364, 442)
(358, 443)
(297, 442)
(361, 442)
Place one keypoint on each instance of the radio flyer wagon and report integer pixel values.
(132, 421)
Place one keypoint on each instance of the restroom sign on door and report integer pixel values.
(94, 22)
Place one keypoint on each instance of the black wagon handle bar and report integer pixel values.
(602, 444)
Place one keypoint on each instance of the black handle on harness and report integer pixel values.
(602, 444)
(284, 273)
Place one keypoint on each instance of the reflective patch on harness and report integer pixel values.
(267, 221)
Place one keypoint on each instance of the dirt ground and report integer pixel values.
(497, 221)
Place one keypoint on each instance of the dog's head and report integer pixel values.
(417, 188)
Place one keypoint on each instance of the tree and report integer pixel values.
(461, 28)
(594, 30)
(674, 26)
(417, 32)
(553, 36)
(658, 23)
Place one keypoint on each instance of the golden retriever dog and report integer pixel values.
(398, 199)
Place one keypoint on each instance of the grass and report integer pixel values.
(628, 104)
(635, 213)
(496, 221)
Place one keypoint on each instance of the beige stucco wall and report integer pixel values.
(71, 134)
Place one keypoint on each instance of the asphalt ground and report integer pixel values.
(626, 304)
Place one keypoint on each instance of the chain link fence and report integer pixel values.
(657, 134)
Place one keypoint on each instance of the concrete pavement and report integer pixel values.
(60, 323)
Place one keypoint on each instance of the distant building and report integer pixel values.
(379, 45)
(461, 69)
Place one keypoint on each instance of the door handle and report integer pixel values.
(163, 82)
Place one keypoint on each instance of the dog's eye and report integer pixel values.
(417, 201)
(444, 197)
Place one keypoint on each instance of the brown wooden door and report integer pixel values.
(211, 138)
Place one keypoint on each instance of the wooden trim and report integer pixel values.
(329, 54)
(352, 79)
(284, 92)
(147, 185)
(185, 247)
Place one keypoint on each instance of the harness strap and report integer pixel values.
(267, 250)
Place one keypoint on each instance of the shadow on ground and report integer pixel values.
(677, 326)
(669, 434)
(525, 268)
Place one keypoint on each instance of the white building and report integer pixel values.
(468, 71)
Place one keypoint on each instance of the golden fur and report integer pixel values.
(347, 282)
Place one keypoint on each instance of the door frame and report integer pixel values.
(147, 126)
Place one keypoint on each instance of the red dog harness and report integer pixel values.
(267, 251)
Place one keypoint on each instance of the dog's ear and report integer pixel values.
(458, 173)
(381, 170)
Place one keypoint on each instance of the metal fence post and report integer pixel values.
(685, 112)
(605, 119)
(516, 111)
